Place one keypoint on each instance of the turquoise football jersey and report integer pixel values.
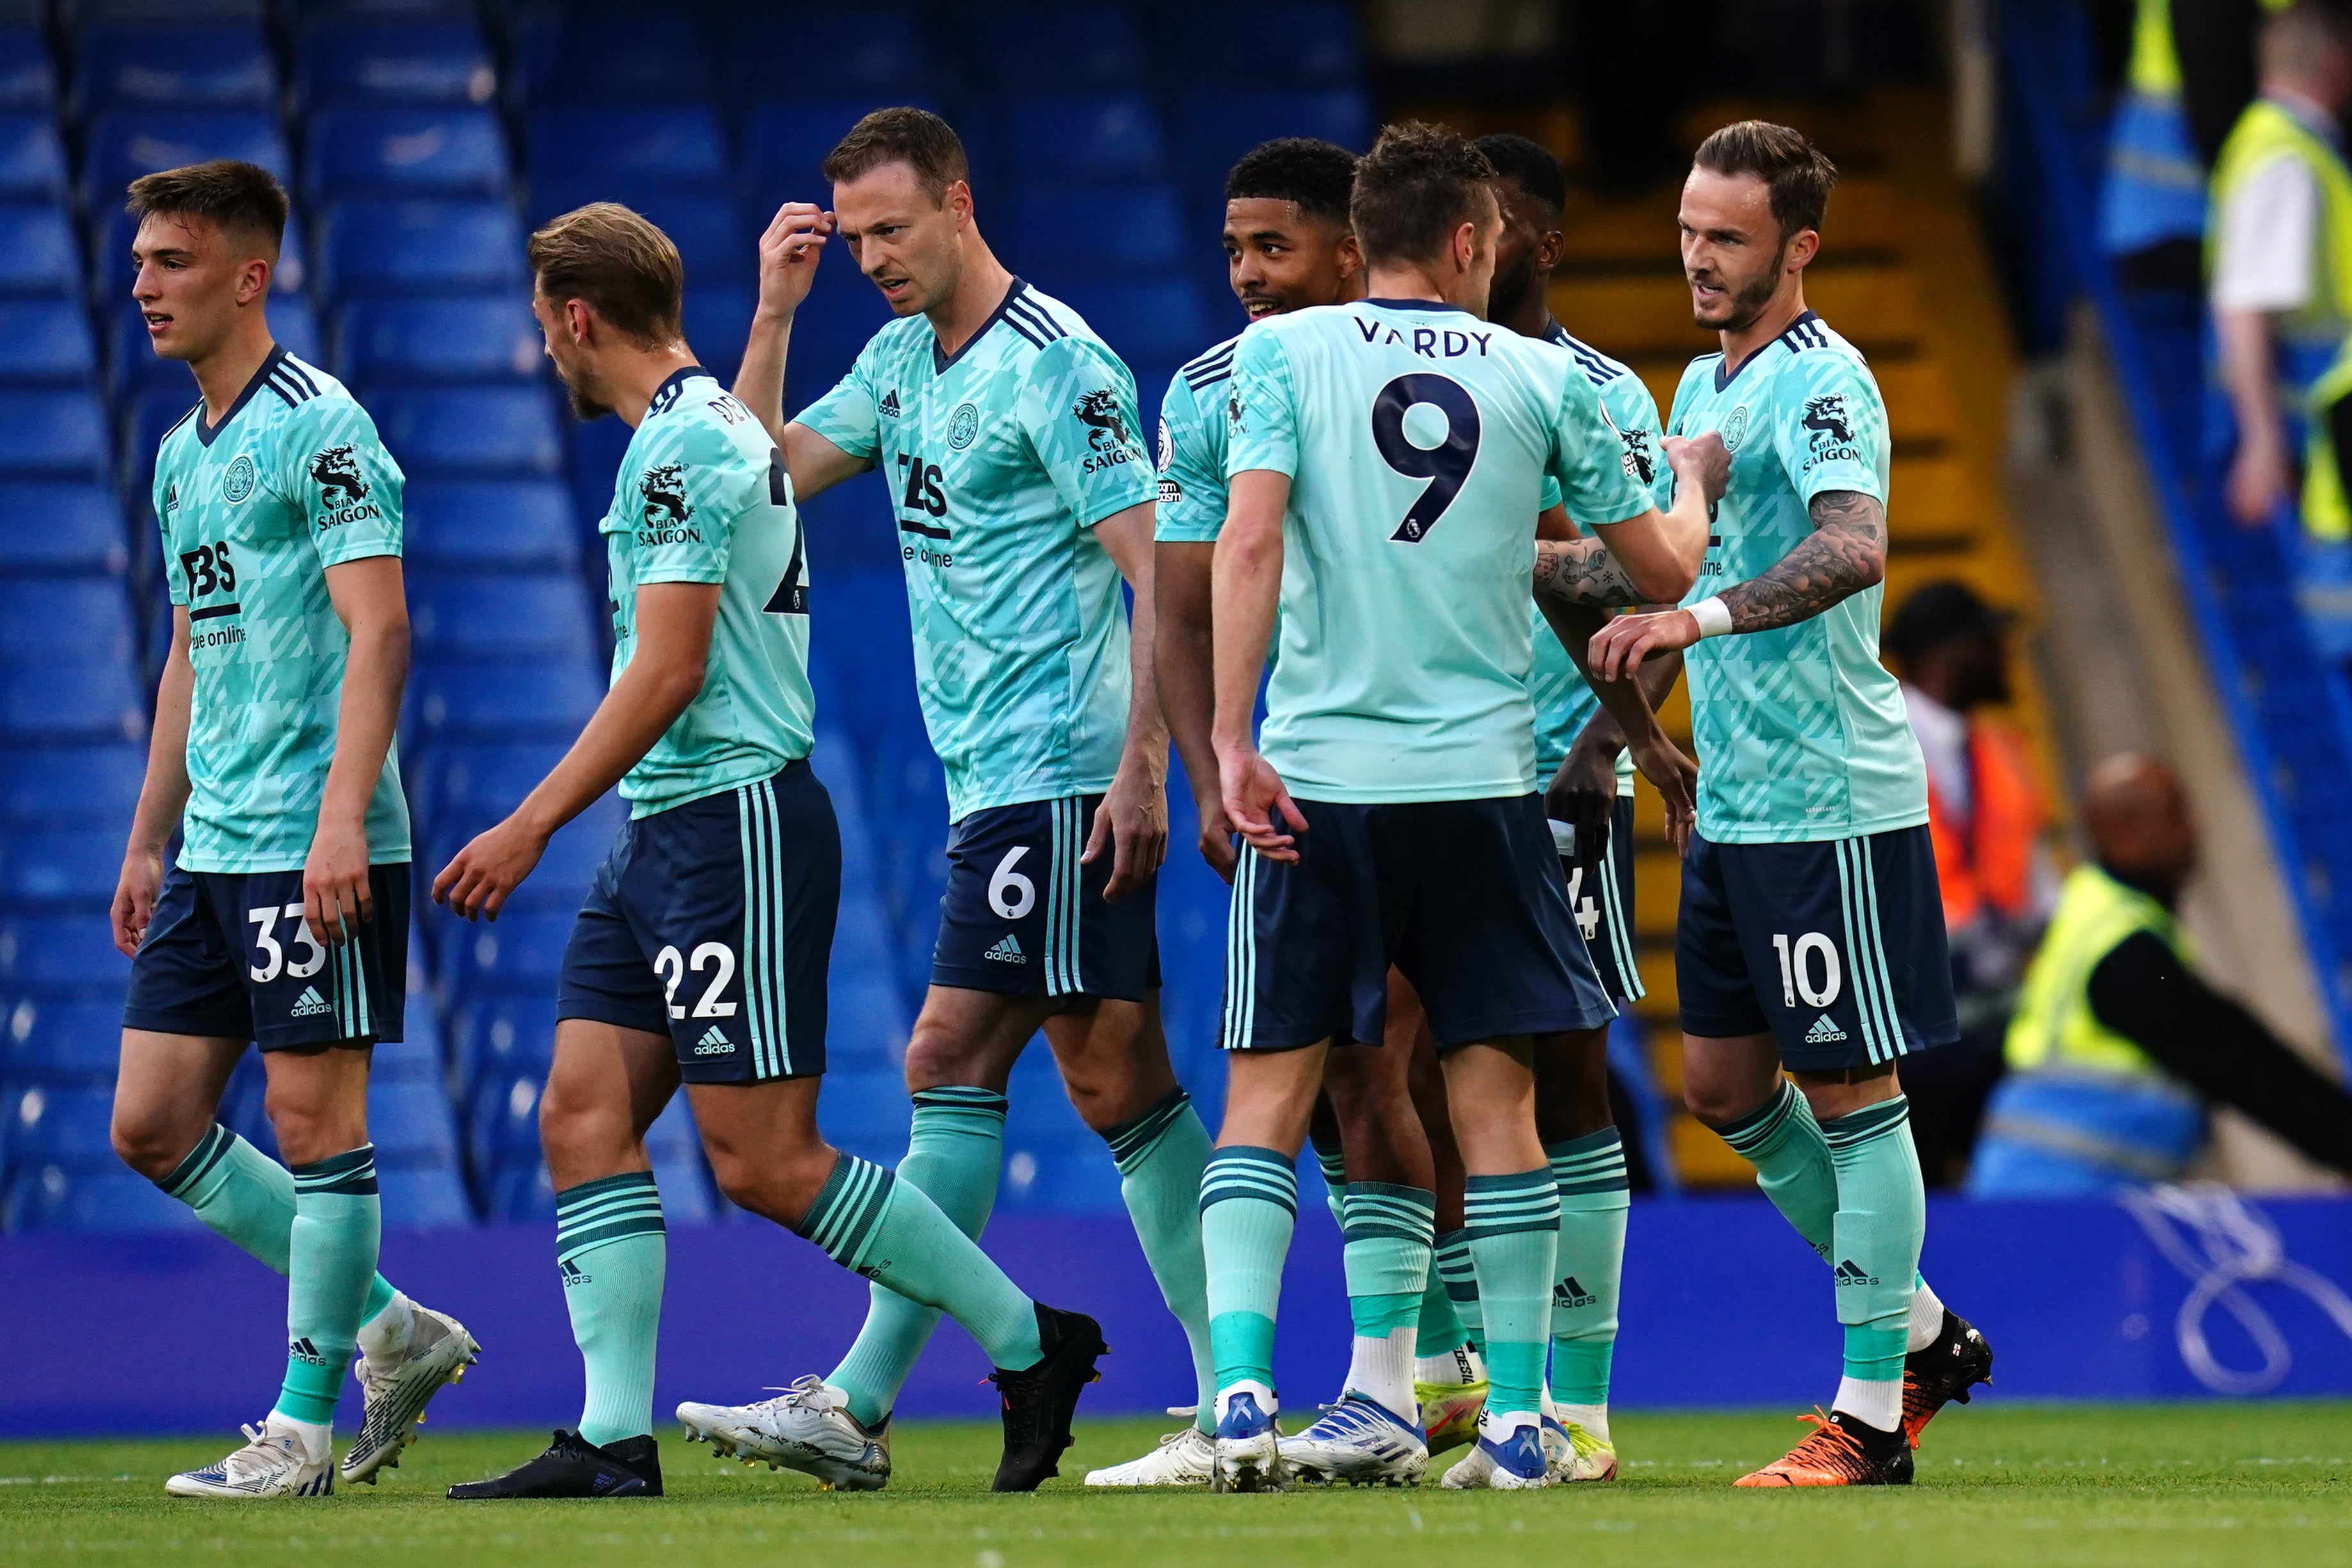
(1800, 731)
(1001, 460)
(1417, 439)
(702, 497)
(1564, 703)
(292, 481)
(1192, 428)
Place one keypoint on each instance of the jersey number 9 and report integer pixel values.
(1445, 465)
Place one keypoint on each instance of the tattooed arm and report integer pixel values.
(1845, 553)
(1581, 571)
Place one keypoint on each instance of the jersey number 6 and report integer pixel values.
(1445, 465)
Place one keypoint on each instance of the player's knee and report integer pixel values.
(150, 1143)
(777, 1184)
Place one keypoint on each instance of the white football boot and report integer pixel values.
(1183, 1459)
(1507, 1458)
(1359, 1442)
(395, 1395)
(1248, 1443)
(277, 1460)
(806, 1427)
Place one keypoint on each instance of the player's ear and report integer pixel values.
(253, 279)
(1802, 247)
(957, 200)
(1351, 255)
(1550, 249)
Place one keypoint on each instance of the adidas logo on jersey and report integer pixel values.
(889, 406)
(1823, 1032)
(714, 1042)
(1850, 1272)
(309, 1004)
(1006, 951)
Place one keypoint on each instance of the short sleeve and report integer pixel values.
(1191, 478)
(1078, 411)
(1261, 409)
(343, 482)
(1635, 412)
(847, 415)
(685, 502)
(1588, 461)
(1549, 497)
(1831, 426)
(161, 499)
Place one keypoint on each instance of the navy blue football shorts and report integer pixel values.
(712, 923)
(1465, 897)
(1834, 948)
(1600, 895)
(1022, 917)
(228, 956)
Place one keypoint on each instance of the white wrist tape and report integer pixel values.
(1713, 616)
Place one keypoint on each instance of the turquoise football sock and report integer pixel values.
(1249, 1202)
(1387, 1256)
(1160, 1155)
(247, 1198)
(1513, 1226)
(1441, 1328)
(1589, 1174)
(611, 1251)
(954, 1153)
(890, 1230)
(1332, 1160)
(1460, 1277)
(1882, 1219)
(1783, 1142)
(330, 1256)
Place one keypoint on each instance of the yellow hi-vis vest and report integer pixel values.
(2054, 1029)
(2267, 130)
(2155, 68)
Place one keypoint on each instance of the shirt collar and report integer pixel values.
(207, 434)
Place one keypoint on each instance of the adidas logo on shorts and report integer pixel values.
(309, 1004)
(1823, 1032)
(1007, 951)
(714, 1042)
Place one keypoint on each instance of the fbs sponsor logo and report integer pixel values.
(309, 1004)
(1567, 1294)
(574, 1275)
(1110, 442)
(300, 1349)
(342, 488)
(1850, 1272)
(1824, 1032)
(1006, 951)
(667, 508)
(888, 408)
(714, 1042)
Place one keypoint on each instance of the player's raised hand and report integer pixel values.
(1258, 805)
(1618, 649)
(1133, 821)
(336, 898)
(135, 893)
(1663, 764)
(788, 257)
(1701, 460)
(483, 875)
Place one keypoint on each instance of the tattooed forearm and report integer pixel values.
(1845, 554)
(1581, 571)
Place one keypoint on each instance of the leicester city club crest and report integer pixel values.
(1735, 429)
(964, 426)
(238, 483)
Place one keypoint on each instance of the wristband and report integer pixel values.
(1714, 617)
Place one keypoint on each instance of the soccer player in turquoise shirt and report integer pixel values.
(1811, 932)
(1392, 816)
(284, 920)
(700, 956)
(1022, 496)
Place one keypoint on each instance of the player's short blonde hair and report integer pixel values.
(617, 263)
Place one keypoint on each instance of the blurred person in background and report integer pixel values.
(1987, 821)
(2119, 1047)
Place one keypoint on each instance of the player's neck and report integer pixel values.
(1403, 281)
(224, 374)
(1531, 318)
(630, 384)
(972, 302)
(1776, 319)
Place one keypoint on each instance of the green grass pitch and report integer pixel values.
(2145, 1485)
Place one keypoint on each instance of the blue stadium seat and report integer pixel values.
(53, 1198)
(884, 63)
(45, 341)
(1049, 47)
(500, 618)
(1157, 322)
(28, 77)
(92, 700)
(519, 952)
(597, 445)
(59, 956)
(1290, 43)
(38, 253)
(60, 868)
(718, 320)
(476, 338)
(578, 154)
(418, 247)
(499, 1036)
(160, 403)
(32, 164)
(405, 153)
(1217, 126)
(675, 1148)
(52, 435)
(62, 1126)
(62, 1042)
(459, 700)
(128, 143)
(410, 1124)
(513, 524)
(71, 786)
(111, 272)
(158, 13)
(621, 56)
(473, 786)
(423, 1197)
(1103, 136)
(468, 431)
(785, 143)
(500, 1122)
(417, 1058)
(710, 238)
(353, 62)
(867, 1112)
(64, 621)
(80, 529)
(180, 67)
(1132, 226)
(573, 856)
(517, 1192)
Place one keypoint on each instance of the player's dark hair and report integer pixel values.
(915, 136)
(1800, 174)
(1528, 164)
(1316, 176)
(619, 265)
(226, 191)
(1417, 185)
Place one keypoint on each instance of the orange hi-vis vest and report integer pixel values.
(1989, 860)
